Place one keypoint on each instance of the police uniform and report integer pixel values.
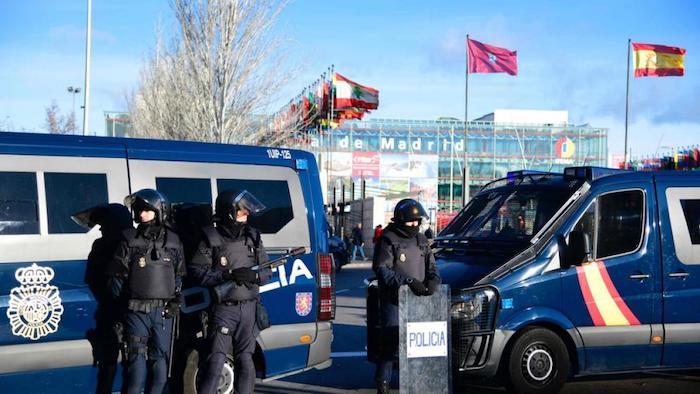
(147, 271)
(402, 257)
(226, 255)
(113, 220)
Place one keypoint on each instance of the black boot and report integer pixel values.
(382, 387)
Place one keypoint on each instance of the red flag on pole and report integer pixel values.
(484, 58)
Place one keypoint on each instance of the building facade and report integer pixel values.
(424, 159)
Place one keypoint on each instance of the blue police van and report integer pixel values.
(589, 271)
(46, 309)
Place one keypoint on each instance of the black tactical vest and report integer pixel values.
(149, 278)
(231, 253)
(409, 254)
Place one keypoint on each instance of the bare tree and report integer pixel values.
(217, 76)
(6, 124)
(57, 124)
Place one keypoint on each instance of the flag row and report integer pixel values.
(327, 102)
(682, 159)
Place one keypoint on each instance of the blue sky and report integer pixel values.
(571, 56)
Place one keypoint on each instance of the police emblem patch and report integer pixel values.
(303, 303)
(35, 307)
(402, 257)
(224, 261)
(142, 262)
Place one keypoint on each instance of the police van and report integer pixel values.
(46, 309)
(590, 271)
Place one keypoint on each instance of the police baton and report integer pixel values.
(173, 335)
(221, 290)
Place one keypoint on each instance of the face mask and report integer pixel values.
(409, 231)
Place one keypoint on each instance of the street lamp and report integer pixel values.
(74, 91)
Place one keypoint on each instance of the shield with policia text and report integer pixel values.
(424, 342)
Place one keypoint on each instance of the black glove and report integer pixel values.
(431, 285)
(244, 276)
(171, 309)
(417, 287)
(227, 275)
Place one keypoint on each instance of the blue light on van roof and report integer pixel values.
(513, 175)
(302, 164)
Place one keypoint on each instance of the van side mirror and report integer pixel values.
(577, 251)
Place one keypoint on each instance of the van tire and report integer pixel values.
(189, 378)
(537, 363)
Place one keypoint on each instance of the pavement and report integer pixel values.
(352, 373)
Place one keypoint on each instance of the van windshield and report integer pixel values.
(508, 214)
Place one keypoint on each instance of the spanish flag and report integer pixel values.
(657, 60)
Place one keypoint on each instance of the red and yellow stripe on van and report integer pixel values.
(603, 301)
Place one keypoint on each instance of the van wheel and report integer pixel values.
(538, 363)
(191, 377)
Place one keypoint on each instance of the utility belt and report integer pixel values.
(145, 306)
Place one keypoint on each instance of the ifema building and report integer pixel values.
(424, 159)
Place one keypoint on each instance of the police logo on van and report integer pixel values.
(35, 307)
(303, 303)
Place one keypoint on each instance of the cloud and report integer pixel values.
(71, 32)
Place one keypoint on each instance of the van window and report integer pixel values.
(587, 222)
(18, 203)
(274, 194)
(620, 223)
(614, 222)
(691, 211)
(185, 190)
(68, 193)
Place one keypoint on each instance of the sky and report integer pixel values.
(571, 56)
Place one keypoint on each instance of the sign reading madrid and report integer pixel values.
(426, 339)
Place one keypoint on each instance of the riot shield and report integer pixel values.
(424, 342)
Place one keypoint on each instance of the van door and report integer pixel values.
(43, 254)
(613, 300)
(679, 215)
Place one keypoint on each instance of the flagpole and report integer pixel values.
(465, 175)
(329, 167)
(627, 99)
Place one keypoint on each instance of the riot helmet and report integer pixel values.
(113, 218)
(409, 210)
(228, 202)
(148, 199)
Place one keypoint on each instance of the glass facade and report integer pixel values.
(424, 159)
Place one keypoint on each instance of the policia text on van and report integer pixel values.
(560, 275)
(50, 310)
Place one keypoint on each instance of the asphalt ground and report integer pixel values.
(352, 373)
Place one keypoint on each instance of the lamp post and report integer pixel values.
(73, 90)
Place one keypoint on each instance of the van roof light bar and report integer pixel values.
(590, 173)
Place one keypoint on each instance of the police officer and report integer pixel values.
(223, 261)
(402, 257)
(147, 271)
(113, 220)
